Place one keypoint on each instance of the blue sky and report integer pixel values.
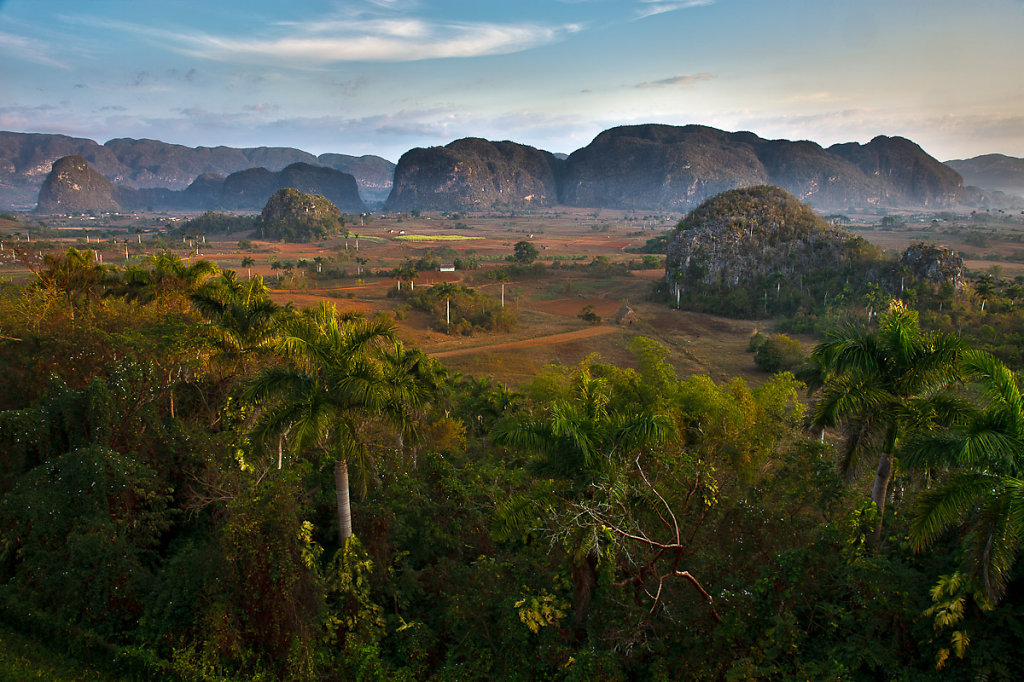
(382, 76)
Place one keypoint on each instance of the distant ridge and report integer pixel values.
(637, 167)
(73, 186)
(992, 172)
(27, 158)
(663, 167)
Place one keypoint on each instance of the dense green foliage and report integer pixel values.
(169, 497)
(212, 222)
(293, 216)
(758, 252)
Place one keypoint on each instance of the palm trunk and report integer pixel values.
(880, 490)
(584, 578)
(344, 504)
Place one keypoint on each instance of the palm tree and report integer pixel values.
(247, 263)
(413, 380)
(583, 446)
(980, 460)
(333, 380)
(879, 386)
(167, 278)
(76, 275)
(243, 319)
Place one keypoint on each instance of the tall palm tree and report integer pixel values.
(879, 386)
(333, 380)
(979, 460)
(247, 263)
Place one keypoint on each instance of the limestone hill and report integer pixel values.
(295, 216)
(474, 174)
(72, 186)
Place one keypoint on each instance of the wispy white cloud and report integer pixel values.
(649, 8)
(321, 42)
(679, 79)
(380, 40)
(29, 50)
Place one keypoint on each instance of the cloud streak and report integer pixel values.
(29, 50)
(679, 79)
(322, 42)
(650, 8)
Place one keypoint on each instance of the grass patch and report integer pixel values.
(434, 238)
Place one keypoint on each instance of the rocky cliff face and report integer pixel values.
(904, 174)
(934, 265)
(151, 163)
(670, 168)
(26, 159)
(658, 166)
(474, 174)
(72, 186)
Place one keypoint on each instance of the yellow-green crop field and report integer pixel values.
(435, 237)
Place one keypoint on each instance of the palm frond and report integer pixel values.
(945, 506)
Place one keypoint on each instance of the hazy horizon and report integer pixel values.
(383, 76)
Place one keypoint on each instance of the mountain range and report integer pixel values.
(658, 167)
(673, 168)
(27, 158)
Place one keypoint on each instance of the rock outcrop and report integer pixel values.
(740, 237)
(152, 163)
(656, 167)
(252, 188)
(934, 265)
(295, 216)
(758, 251)
(475, 174)
(73, 186)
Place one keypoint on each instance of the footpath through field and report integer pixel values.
(562, 337)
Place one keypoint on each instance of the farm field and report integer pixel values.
(353, 277)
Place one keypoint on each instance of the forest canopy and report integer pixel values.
(197, 483)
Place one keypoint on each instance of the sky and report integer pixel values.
(383, 76)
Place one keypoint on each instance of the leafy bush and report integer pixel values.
(776, 353)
